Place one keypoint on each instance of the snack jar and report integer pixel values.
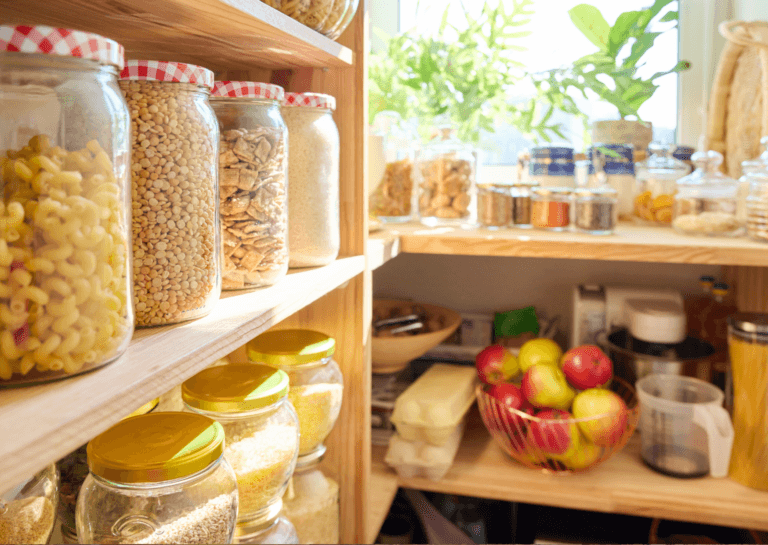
(494, 206)
(253, 183)
(174, 173)
(551, 208)
(314, 231)
(64, 236)
(552, 167)
(391, 170)
(316, 383)
(158, 478)
(657, 184)
(262, 434)
(595, 210)
(28, 510)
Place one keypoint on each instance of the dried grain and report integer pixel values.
(317, 406)
(29, 520)
(213, 522)
(312, 505)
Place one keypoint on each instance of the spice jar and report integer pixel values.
(158, 478)
(551, 208)
(494, 205)
(596, 210)
(316, 383)
(64, 238)
(613, 165)
(262, 433)
(657, 184)
(390, 170)
(552, 167)
(706, 199)
(757, 205)
(176, 238)
(253, 172)
(280, 532)
(28, 510)
(313, 168)
(521, 205)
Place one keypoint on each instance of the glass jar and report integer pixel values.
(310, 13)
(316, 383)
(596, 210)
(757, 204)
(521, 205)
(158, 478)
(684, 154)
(73, 470)
(745, 183)
(253, 183)
(551, 208)
(176, 233)
(706, 199)
(445, 173)
(657, 184)
(344, 22)
(494, 205)
(262, 433)
(28, 510)
(613, 165)
(314, 233)
(280, 532)
(64, 237)
(390, 170)
(552, 167)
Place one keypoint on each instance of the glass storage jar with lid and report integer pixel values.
(280, 532)
(315, 14)
(262, 434)
(613, 165)
(28, 510)
(494, 205)
(521, 204)
(756, 204)
(176, 233)
(551, 208)
(391, 170)
(552, 167)
(595, 210)
(316, 383)
(657, 184)
(253, 183)
(158, 478)
(349, 15)
(706, 199)
(65, 234)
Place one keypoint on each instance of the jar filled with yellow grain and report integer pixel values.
(28, 510)
(262, 434)
(316, 383)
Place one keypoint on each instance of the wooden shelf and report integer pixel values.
(41, 424)
(382, 246)
(217, 34)
(381, 493)
(622, 484)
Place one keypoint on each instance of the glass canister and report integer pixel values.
(158, 478)
(280, 532)
(551, 208)
(64, 236)
(756, 205)
(684, 154)
(391, 170)
(314, 235)
(28, 510)
(494, 205)
(552, 167)
(176, 233)
(613, 165)
(706, 199)
(253, 183)
(521, 204)
(316, 383)
(748, 169)
(596, 210)
(748, 347)
(310, 13)
(262, 433)
(657, 184)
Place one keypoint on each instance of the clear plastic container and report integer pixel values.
(316, 383)
(176, 229)
(552, 167)
(158, 478)
(262, 433)
(391, 170)
(64, 244)
(313, 169)
(756, 203)
(253, 183)
(706, 200)
(28, 510)
(344, 22)
(521, 205)
(657, 184)
(595, 210)
(494, 206)
(280, 532)
(551, 208)
(414, 459)
(613, 165)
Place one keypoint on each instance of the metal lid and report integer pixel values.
(170, 72)
(291, 347)
(549, 191)
(235, 388)
(247, 89)
(148, 407)
(749, 322)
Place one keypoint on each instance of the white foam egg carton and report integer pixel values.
(413, 459)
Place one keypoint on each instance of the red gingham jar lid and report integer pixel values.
(247, 89)
(64, 42)
(172, 72)
(310, 100)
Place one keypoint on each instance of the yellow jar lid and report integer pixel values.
(156, 447)
(235, 388)
(144, 409)
(291, 347)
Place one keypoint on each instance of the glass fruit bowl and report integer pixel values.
(555, 443)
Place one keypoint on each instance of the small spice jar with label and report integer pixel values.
(613, 164)
(494, 206)
(552, 167)
(551, 208)
(521, 205)
(596, 210)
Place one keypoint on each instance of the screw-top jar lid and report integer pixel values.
(45, 40)
(144, 409)
(235, 388)
(310, 100)
(156, 447)
(291, 347)
(749, 322)
(247, 89)
(171, 72)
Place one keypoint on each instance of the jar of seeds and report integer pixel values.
(494, 205)
(176, 233)
(596, 210)
(521, 205)
(28, 510)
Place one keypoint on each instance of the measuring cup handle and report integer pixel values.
(717, 423)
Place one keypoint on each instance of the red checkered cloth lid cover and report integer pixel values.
(171, 72)
(247, 89)
(310, 100)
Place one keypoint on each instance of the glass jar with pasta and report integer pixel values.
(65, 287)
(320, 15)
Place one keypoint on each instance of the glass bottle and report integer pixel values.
(391, 170)
(657, 184)
(28, 510)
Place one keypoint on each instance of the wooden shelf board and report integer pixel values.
(217, 34)
(381, 491)
(622, 484)
(383, 245)
(41, 424)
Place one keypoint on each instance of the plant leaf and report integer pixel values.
(592, 24)
(641, 47)
(620, 31)
(670, 16)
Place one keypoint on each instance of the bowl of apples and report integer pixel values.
(556, 412)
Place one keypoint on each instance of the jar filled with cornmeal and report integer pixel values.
(28, 510)
(657, 184)
(262, 434)
(316, 383)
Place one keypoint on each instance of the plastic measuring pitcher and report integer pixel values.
(684, 429)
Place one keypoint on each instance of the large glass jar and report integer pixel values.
(706, 199)
(613, 165)
(316, 383)
(314, 14)
(344, 22)
(657, 184)
(390, 170)
(313, 168)
(64, 237)
(253, 183)
(552, 167)
(28, 510)
(158, 478)
(280, 532)
(262, 433)
(445, 174)
(756, 204)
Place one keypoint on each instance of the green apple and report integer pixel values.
(545, 386)
(538, 352)
(606, 413)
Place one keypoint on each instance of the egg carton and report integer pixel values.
(412, 459)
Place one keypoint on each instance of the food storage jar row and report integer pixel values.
(328, 17)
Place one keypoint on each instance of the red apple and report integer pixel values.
(607, 415)
(495, 364)
(508, 397)
(545, 387)
(587, 367)
(551, 434)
